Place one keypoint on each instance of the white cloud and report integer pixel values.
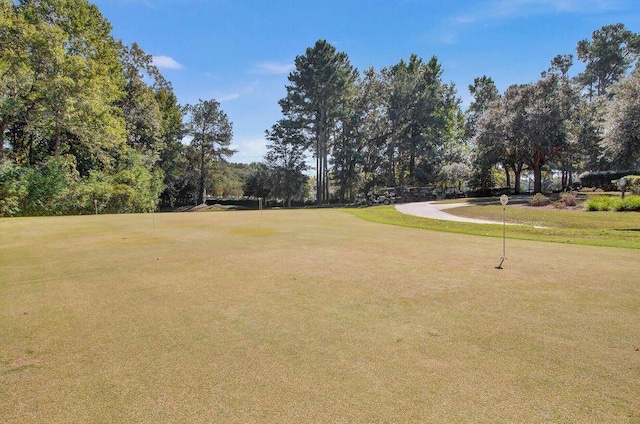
(272, 68)
(249, 151)
(510, 9)
(243, 91)
(228, 96)
(166, 62)
(481, 13)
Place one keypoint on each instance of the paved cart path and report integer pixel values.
(435, 210)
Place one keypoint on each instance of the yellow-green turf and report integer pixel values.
(311, 316)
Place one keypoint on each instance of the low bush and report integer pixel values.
(608, 203)
(598, 203)
(568, 198)
(539, 199)
(629, 204)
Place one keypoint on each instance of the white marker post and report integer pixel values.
(260, 205)
(622, 182)
(504, 199)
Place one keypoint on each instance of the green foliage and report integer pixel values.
(599, 203)
(607, 56)
(71, 97)
(50, 187)
(14, 187)
(286, 161)
(135, 188)
(539, 199)
(92, 193)
(74, 101)
(629, 204)
(211, 133)
(55, 188)
(70, 106)
(321, 88)
(171, 157)
(610, 203)
(484, 92)
(633, 183)
(623, 112)
(259, 183)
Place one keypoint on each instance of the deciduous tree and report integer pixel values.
(622, 141)
(77, 80)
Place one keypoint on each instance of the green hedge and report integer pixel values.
(610, 203)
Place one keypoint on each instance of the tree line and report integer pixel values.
(90, 125)
(403, 125)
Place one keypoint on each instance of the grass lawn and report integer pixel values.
(309, 316)
(612, 229)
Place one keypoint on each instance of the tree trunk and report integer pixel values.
(391, 175)
(318, 175)
(321, 151)
(537, 179)
(412, 157)
(507, 175)
(318, 172)
(201, 182)
(325, 153)
(517, 171)
(2, 129)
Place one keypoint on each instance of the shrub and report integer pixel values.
(94, 188)
(568, 198)
(50, 185)
(629, 204)
(13, 188)
(608, 203)
(539, 199)
(599, 203)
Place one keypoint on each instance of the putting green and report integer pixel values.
(309, 316)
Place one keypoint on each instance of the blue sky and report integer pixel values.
(240, 52)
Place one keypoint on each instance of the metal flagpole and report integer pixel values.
(504, 199)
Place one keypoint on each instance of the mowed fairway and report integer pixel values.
(309, 316)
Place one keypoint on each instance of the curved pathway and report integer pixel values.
(433, 210)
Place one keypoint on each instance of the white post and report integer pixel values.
(504, 199)
(622, 182)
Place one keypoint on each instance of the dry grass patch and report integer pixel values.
(308, 316)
